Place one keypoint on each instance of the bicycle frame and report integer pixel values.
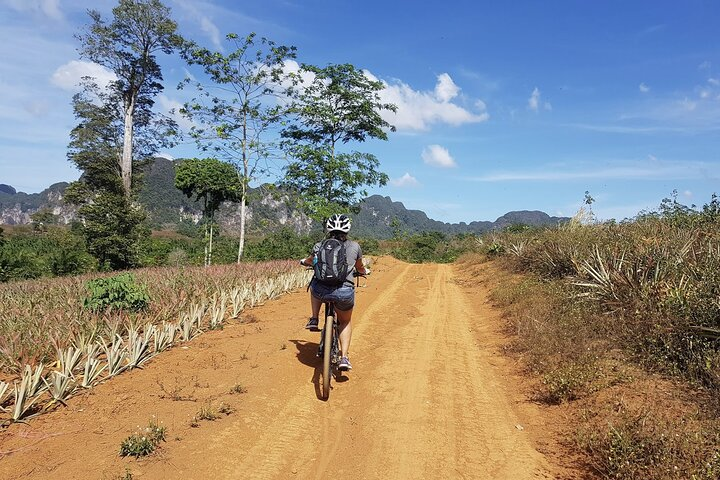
(335, 346)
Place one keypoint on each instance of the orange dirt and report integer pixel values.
(430, 396)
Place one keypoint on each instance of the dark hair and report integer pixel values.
(338, 235)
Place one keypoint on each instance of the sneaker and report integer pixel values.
(344, 364)
(312, 324)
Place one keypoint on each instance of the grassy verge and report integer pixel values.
(629, 422)
(618, 324)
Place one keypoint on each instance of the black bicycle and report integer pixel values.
(331, 336)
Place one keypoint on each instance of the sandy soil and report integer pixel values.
(430, 396)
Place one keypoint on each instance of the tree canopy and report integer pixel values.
(233, 114)
(211, 181)
(340, 105)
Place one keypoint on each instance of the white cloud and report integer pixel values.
(687, 104)
(197, 11)
(705, 65)
(714, 81)
(534, 100)
(652, 29)
(438, 156)
(687, 194)
(212, 31)
(406, 180)
(291, 66)
(37, 107)
(189, 75)
(693, 111)
(68, 76)
(644, 88)
(644, 129)
(49, 8)
(418, 110)
(446, 90)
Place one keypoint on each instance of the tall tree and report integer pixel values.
(118, 132)
(211, 181)
(127, 46)
(338, 106)
(112, 222)
(235, 112)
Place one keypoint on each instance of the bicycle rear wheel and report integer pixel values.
(327, 354)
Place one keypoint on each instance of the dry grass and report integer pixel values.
(650, 429)
(656, 278)
(601, 364)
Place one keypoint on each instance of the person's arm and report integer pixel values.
(308, 261)
(360, 267)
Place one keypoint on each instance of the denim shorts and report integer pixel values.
(343, 297)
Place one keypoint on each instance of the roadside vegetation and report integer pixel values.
(620, 322)
(32, 252)
(430, 247)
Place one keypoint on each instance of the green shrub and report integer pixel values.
(18, 264)
(370, 246)
(71, 258)
(431, 247)
(52, 251)
(281, 245)
(118, 292)
(568, 382)
(495, 249)
(144, 442)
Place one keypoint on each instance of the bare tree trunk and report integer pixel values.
(126, 165)
(205, 260)
(210, 250)
(243, 193)
(243, 213)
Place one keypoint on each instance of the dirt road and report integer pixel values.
(429, 397)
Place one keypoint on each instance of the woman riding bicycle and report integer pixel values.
(343, 294)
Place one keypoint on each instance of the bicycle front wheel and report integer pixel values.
(327, 355)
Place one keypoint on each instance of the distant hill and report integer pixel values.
(168, 206)
(16, 207)
(377, 214)
(7, 189)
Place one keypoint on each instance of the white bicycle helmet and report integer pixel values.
(338, 223)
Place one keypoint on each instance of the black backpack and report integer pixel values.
(330, 263)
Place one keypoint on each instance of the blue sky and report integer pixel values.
(502, 105)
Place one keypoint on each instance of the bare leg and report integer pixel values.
(345, 327)
(315, 304)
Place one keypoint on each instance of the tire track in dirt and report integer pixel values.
(433, 408)
(334, 434)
